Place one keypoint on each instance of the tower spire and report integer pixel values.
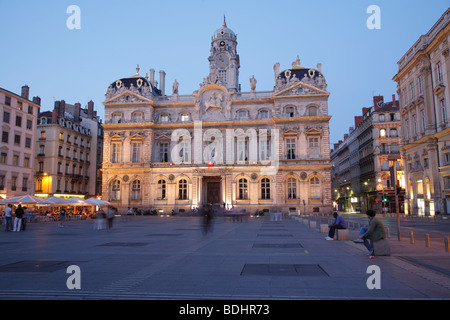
(224, 22)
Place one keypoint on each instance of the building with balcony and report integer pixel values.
(17, 148)
(422, 86)
(68, 145)
(362, 162)
(252, 150)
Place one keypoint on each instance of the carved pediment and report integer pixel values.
(290, 132)
(213, 102)
(127, 96)
(300, 89)
(313, 131)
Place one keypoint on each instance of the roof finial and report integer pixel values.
(137, 69)
(224, 25)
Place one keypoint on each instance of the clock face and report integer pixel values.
(222, 43)
(222, 61)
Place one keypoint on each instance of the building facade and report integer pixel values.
(422, 86)
(17, 148)
(362, 162)
(68, 145)
(253, 150)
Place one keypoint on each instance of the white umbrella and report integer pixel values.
(97, 202)
(26, 199)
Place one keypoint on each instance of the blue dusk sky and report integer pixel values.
(57, 63)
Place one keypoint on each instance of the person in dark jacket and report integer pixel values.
(18, 218)
(374, 232)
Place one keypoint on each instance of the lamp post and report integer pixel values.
(393, 173)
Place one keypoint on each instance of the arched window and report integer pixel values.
(115, 190)
(264, 114)
(182, 189)
(265, 188)
(290, 112)
(314, 187)
(116, 117)
(136, 190)
(137, 116)
(161, 190)
(292, 188)
(243, 189)
(312, 111)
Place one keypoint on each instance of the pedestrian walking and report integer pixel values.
(374, 232)
(62, 217)
(18, 218)
(8, 218)
(339, 223)
(110, 216)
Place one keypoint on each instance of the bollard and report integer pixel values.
(447, 243)
(427, 240)
(412, 238)
(388, 233)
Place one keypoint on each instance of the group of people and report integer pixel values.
(367, 235)
(104, 220)
(17, 225)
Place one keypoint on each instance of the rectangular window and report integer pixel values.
(17, 139)
(3, 157)
(26, 162)
(8, 101)
(164, 152)
(6, 116)
(290, 148)
(136, 152)
(27, 142)
(439, 71)
(314, 148)
(443, 111)
(422, 116)
(16, 160)
(18, 121)
(115, 153)
(420, 84)
(5, 136)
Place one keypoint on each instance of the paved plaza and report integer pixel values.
(152, 257)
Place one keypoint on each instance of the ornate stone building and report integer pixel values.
(422, 86)
(253, 150)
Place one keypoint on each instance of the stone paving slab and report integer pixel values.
(170, 258)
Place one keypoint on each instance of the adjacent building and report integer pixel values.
(252, 150)
(423, 89)
(363, 162)
(68, 151)
(18, 117)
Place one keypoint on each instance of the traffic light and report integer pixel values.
(385, 199)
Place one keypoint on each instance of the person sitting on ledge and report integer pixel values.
(339, 223)
(375, 232)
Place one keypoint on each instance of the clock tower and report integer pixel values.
(224, 60)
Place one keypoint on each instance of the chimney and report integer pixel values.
(37, 100)
(76, 112)
(25, 92)
(152, 77)
(90, 109)
(162, 82)
(377, 100)
(55, 116)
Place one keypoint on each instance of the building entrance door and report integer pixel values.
(212, 190)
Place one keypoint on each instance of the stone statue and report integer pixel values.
(253, 83)
(175, 87)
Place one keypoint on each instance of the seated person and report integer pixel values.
(339, 223)
(374, 232)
